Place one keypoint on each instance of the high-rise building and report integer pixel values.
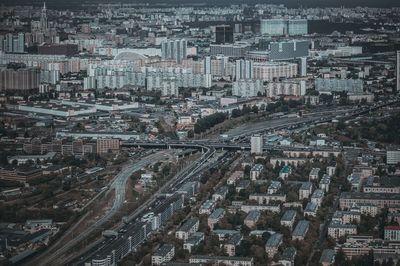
(398, 71)
(12, 43)
(338, 85)
(223, 34)
(207, 65)
(43, 18)
(257, 144)
(392, 156)
(230, 50)
(273, 27)
(279, 27)
(20, 79)
(247, 88)
(288, 50)
(168, 87)
(244, 69)
(21, 42)
(174, 50)
(58, 49)
(303, 66)
(107, 145)
(271, 70)
(287, 88)
(297, 27)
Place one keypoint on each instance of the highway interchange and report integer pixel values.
(235, 140)
(119, 185)
(191, 172)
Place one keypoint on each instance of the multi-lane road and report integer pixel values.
(118, 184)
(234, 137)
(103, 247)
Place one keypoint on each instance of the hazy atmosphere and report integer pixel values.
(200, 133)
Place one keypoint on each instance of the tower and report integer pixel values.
(223, 34)
(257, 142)
(174, 49)
(43, 18)
(398, 71)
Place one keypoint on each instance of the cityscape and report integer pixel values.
(199, 133)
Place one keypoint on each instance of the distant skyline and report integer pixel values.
(288, 3)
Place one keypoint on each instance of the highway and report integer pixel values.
(119, 184)
(103, 247)
(235, 136)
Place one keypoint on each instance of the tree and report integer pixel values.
(236, 113)
(208, 122)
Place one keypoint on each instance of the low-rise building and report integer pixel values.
(256, 171)
(251, 219)
(187, 229)
(288, 256)
(285, 172)
(337, 230)
(276, 208)
(23, 159)
(392, 233)
(267, 198)
(301, 229)
(381, 200)
(37, 225)
(394, 217)
(274, 187)
(288, 218)
(242, 185)
(311, 209)
(347, 217)
(224, 234)
(231, 244)
(273, 243)
(207, 207)
(317, 197)
(367, 209)
(193, 241)
(214, 217)
(327, 257)
(108, 146)
(331, 170)
(222, 260)
(20, 174)
(163, 254)
(324, 183)
(220, 193)
(314, 174)
(305, 190)
(384, 184)
(235, 176)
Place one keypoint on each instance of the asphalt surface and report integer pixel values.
(119, 184)
(234, 135)
(103, 247)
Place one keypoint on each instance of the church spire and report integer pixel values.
(43, 18)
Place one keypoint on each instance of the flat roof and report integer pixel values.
(188, 224)
(275, 240)
(217, 213)
(289, 215)
(377, 196)
(328, 256)
(163, 250)
(301, 228)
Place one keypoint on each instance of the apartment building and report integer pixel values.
(301, 229)
(273, 243)
(163, 254)
(187, 229)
